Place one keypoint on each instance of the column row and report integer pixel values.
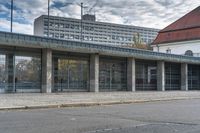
(54, 71)
(140, 75)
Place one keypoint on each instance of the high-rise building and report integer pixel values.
(92, 31)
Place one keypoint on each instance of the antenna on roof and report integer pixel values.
(92, 7)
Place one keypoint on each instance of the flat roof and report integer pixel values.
(31, 41)
(102, 23)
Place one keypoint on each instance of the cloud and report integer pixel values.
(4, 9)
(146, 13)
(17, 27)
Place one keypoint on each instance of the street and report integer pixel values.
(180, 116)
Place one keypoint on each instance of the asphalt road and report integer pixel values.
(182, 116)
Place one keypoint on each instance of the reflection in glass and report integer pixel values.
(146, 75)
(27, 73)
(3, 75)
(112, 75)
(71, 74)
(193, 77)
(19, 73)
(172, 76)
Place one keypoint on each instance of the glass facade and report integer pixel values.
(146, 75)
(172, 76)
(27, 73)
(3, 73)
(193, 77)
(71, 73)
(20, 71)
(112, 74)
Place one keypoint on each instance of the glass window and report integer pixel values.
(61, 35)
(193, 77)
(112, 74)
(27, 73)
(146, 75)
(66, 25)
(3, 74)
(71, 74)
(56, 25)
(172, 76)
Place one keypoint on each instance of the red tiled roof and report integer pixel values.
(185, 28)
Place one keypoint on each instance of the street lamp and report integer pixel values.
(81, 21)
(48, 17)
(11, 18)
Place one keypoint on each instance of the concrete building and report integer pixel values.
(41, 64)
(181, 37)
(92, 31)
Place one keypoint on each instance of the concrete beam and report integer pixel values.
(161, 76)
(9, 39)
(94, 73)
(131, 74)
(46, 71)
(184, 77)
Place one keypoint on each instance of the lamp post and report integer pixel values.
(11, 18)
(48, 18)
(81, 21)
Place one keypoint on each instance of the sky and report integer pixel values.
(146, 13)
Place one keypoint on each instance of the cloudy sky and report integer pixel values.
(147, 13)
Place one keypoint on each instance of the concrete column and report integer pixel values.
(94, 73)
(46, 70)
(131, 74)
(10, 73)
(184, 77)
(161, 76)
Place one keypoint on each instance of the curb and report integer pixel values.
(88, 104)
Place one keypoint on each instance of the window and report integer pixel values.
(76, 37)
(66, 25)
(61, 25)
(56, 35)
(45, 23)
(51, 35)
(51, 24)
(72, 26)
(56, 25)
(189, 53)
(61, 35)
(168, 51)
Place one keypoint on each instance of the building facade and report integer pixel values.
(181, 37)
(92, 31)
(41, 64)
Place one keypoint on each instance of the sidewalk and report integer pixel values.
(53, 100)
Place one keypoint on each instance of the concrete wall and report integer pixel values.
(39, 26)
